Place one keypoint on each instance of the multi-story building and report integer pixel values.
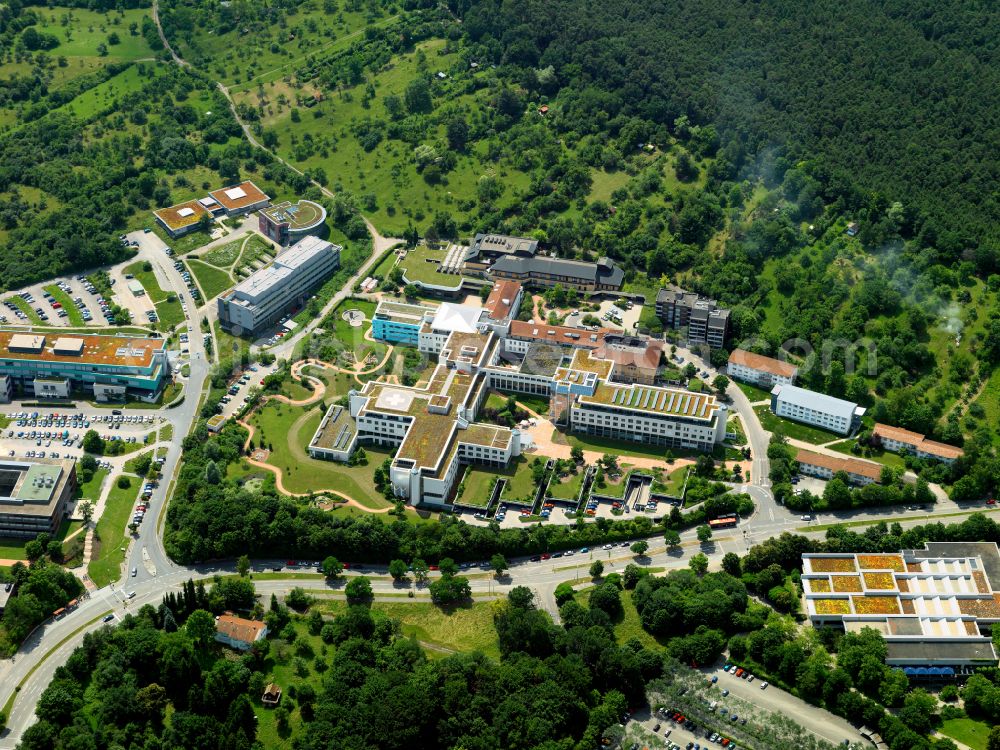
(434, 427)
(289, 222)
(260, 300)
(35, 496)
(757, 369)
(602, 276)
(111, 367)
(502, 305)
(486, 248)
(637, 358)
(399, 323)
(824, 466)
(182, 218)
(706, 322)
(238, 632)
(934, 607)
(240, 199)
(801, 405)
(897, 439)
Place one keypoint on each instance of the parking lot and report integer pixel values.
(78, 292)
(611, 316)
(34, 434)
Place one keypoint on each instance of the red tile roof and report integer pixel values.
(238, 628)
(917, 440)
(836, 463)
(253, 194)
(501, 299)
(762, 363)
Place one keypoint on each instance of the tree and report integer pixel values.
(243, 566)
(499, 564)
(993, 743)
(92, 443)
(640, 547)
(358, 590)
(720, 383)
(596, 569)
(671, 538)
(448, 567)
(449, 589)
(200, 627)
(704, 533)
(564, 593)
(418, 96)
(298, 599)
(607, 598)
(398, 570)
(458, 133)
(699, 563)
(576, 453)
(332, 567)
(420, 569)
(731, 564)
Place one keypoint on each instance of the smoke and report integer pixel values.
(951, 314)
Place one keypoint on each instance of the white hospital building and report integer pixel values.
(818, 409)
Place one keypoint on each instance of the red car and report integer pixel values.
(546, 556)
(991, 501)
(291, 563)
(432, 567)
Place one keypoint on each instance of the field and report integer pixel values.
(105, 95)
(212, 281)
(322, 136)
(969, 732)
(793, 430)
(287, 431)
(168, 307)
(886, 458)
(111, 530)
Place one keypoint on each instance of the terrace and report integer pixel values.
(583, 362)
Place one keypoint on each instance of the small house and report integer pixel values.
(271, 696)
(852, 229)
(238, 632)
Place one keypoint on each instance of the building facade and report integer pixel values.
(288, 222)
(113, 368)
(824, 466)
(237, 200)
(818, 409)
(934, 607)
(261, 299)
(35, 496)
(759, 370)
(238, 632)
(602, 276)
(896, 439)
(706, 322)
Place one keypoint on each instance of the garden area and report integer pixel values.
(793, 430)
(567, 487)
(212, 280)
(110, 538)
(476, 487)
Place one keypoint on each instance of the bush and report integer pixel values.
(124, 482)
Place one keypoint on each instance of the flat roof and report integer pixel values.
(762, 363)
(97, 350)
(337, 430)
(564, 335)
(820, 402)
(602, 271)
(300, 217)
(182, 214)
(239, 196)
(840, 463)
(32, 487)
(263, 281)
(653, 400)
(584, 361)
(456, 318)
(941, 651)
(987, 552)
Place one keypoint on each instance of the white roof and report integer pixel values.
(236, 193)
(263, 281)
(186, 211)
(451, 317)
(820, 402)
(209, 201)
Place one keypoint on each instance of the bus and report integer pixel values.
(723, 522)
(58, 614)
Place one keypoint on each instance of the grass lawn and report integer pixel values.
(568, 487)
(620, 448)
(26, 309)
(288, 430)
(105, 566)
(629, 626)
(675, 481)
(463, 629)
(212, 281)
(422, 264)
(385, 265)
(478, 481)
(967, 731)
(72, 311)
(168, 307)
(753, 392)
(223, 256)
(519, 481)
(92, 490)
(886, 458)
(791, 429)
(166, 432)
